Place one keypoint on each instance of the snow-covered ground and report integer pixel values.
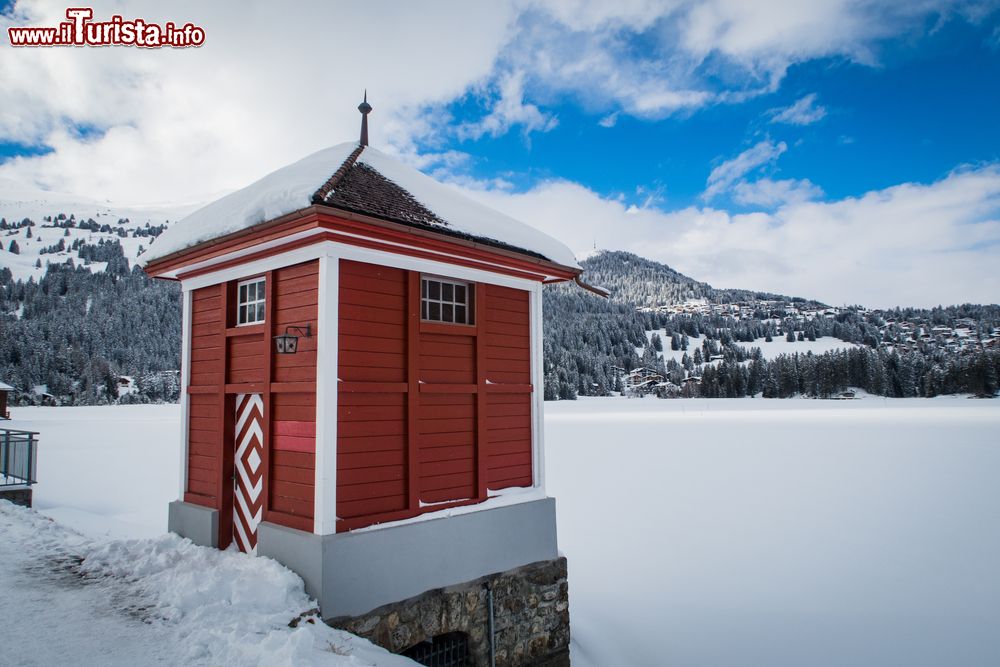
(780, 346)
(769, 532)
(106, 471)
(698, 532)
(69, 600)
(776, 347)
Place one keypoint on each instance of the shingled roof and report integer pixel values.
(359, 179)
(359, 188)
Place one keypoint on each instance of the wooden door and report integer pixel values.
(248, 477)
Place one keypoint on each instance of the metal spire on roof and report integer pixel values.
(365, 109)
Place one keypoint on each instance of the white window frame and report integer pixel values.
(425, 300)
(262, 300)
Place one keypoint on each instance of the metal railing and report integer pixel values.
(18, 457)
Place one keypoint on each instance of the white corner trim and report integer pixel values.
(538, 384)
(185, 400)
(325, 512)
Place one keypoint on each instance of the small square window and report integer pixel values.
(250, 302)
(444, 300)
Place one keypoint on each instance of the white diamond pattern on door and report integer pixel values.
(248, 497)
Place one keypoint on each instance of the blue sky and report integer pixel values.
(931, 104)
(844, 150)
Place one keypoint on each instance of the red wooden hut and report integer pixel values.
(362, 378)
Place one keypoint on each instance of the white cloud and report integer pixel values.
(730, 172)
(805, 111)
(509, 110)
(911, 244)
(276, 82)
(609, 121)
(698, 52)
(771, 193)
(272, 83)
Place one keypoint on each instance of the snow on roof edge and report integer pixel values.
(279, 193)
(466, 215)
(291, 188)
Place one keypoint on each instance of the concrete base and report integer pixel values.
(19, 495)
(198, 524)
(355, 572)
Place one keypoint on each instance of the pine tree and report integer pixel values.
(14, 248)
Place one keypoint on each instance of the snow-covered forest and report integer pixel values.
(899, 353)
(81, 324)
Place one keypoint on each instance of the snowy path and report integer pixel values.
(68, 600)
(43, 601)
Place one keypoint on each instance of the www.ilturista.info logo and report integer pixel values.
(79, 30)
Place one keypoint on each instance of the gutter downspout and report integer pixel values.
(493, 647)
(599, 291)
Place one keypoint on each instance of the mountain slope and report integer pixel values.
(71, 219)
(644, 282)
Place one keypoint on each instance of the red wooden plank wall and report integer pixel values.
(296, 298)
(460, 426)
(508, 361)
(245, 358)
(205, 418)
(227, 360)
(206, 337)
(293, 414)
(371, 425)
(447, 449)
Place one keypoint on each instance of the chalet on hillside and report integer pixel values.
(5, 390)
(361, 352)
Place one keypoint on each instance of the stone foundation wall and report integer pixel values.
(19, 496)
(530, 611)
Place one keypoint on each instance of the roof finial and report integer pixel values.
(365, 109)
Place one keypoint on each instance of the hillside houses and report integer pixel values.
(963, 334)
(746, 309)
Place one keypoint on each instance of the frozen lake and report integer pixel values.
(796, 532)
(698, 532)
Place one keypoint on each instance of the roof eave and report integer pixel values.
(158, 268)
(555, 267)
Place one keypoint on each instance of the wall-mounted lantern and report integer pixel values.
(289, 344)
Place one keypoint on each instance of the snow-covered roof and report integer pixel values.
(364, 180)
(5, 387)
